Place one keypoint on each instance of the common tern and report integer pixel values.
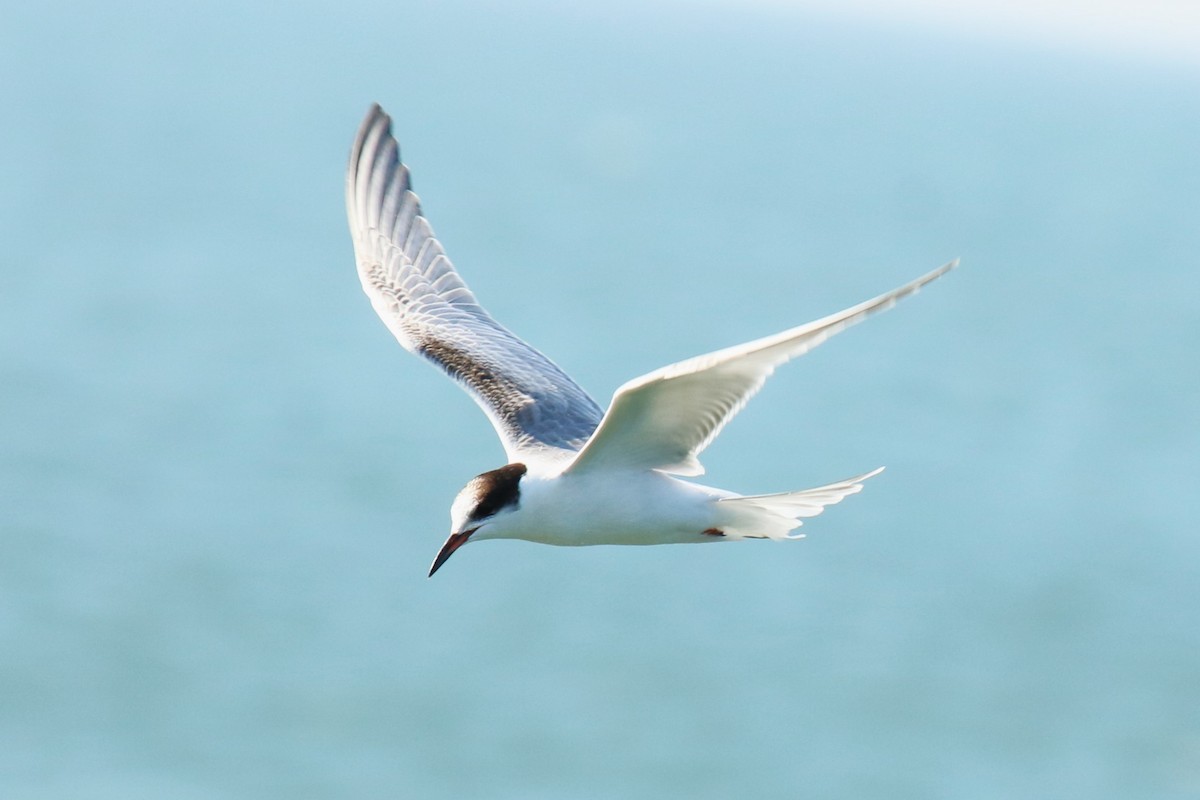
(576, 475)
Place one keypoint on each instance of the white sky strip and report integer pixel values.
(1155, 31)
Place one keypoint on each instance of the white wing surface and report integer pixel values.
(663, 420)
(536, 409)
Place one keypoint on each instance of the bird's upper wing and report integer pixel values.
(663, 420)
(536, 409)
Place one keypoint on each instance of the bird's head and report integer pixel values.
(486, 498)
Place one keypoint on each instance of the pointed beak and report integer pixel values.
(455, 541)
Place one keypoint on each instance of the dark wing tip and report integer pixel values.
(375, 125)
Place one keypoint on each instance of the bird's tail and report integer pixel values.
(775, 516)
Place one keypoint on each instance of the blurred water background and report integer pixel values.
(222, 482)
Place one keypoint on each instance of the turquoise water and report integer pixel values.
(221, 482)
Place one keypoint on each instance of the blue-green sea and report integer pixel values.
(222, 481)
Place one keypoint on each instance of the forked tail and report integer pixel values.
(775, 516)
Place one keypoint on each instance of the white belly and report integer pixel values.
(613, 508)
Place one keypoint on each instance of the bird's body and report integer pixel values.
(652, 508)
(576, 475)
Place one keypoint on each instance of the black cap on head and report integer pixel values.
(496, 489)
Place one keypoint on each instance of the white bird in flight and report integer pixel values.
(576, 475)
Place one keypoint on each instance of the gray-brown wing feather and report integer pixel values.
(535, 407)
